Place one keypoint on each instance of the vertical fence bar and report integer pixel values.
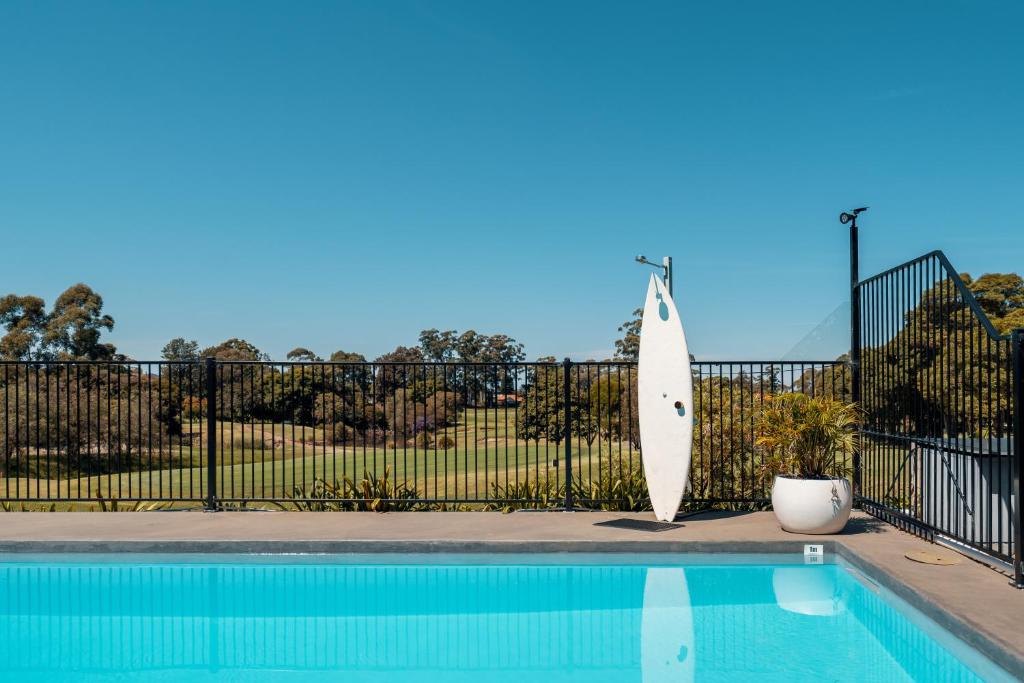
(1017, 349)
(567, 431)
(211, 434)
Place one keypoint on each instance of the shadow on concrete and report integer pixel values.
(864, 525)
(856, 525)
(708, 515)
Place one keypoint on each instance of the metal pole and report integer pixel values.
(855, 323)
(855, 369)
(211, 434)
(567, 432)
(1017, 349)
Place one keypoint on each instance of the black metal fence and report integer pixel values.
(371, 435)
(941, 392)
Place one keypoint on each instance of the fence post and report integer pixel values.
(211, 434)
(855, 368)
(1017, 349)
(567, 431)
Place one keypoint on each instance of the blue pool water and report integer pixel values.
(527, 619)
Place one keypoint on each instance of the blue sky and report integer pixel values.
(341, 175)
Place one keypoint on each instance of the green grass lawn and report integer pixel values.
(264, 461)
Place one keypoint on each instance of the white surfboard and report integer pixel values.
(667, 653)
(665, 401)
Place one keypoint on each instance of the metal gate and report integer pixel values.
(940, 389)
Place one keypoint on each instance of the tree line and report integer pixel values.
(94, 412)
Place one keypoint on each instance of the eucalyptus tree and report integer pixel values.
(24, 318)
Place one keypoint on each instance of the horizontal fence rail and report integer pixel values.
(371, 436)
(938, 398)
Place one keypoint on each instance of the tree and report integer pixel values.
(771, 379)
(291, 392)
(401, 354)
(352, 374)
(1001, 296)
(240, 386)
(234, 349)
(628, 348)
(443, 408)
(495, 353)
(501, 348)
(180, 349)
(832, 381)
(74, 326)
(303, 355)
(389, 377)
(24, 318)
(347, 357)
(438, 346)
(188, 373)
(469, 346)
(543, 415)
(604, 399)
(473, 347)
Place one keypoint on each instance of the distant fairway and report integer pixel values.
(264, 461)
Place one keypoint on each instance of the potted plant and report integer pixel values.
(807, 442)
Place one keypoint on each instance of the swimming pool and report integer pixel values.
(502, 618)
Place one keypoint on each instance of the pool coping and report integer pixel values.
(969, 630)
(966, 631)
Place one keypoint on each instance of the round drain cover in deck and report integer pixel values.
(929, 557)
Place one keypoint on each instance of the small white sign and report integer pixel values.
(814, 554)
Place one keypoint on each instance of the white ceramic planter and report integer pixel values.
(812, 506)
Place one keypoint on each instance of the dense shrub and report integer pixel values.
(371, 493)
(621, 487)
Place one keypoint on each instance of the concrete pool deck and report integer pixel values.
(968, 598)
